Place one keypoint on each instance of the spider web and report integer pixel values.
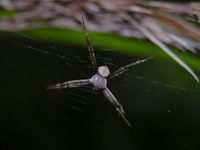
(164, 110)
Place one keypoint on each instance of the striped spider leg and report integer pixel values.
(108, 94)
(70, 84)
(127, 67)
(99, 80)
(90, 48)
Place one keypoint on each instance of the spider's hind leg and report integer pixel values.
(117, 105)
(69, 84)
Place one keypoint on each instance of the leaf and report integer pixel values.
(142, 48)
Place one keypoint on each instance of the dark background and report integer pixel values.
(160, 98)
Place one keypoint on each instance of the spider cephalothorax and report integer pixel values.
(99, 80)
(103, 71)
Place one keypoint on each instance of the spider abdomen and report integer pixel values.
(98, 82)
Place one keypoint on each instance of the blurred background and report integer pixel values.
(42, 43)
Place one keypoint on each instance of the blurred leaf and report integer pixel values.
(7, 13)
(142, 48)
(123, 44)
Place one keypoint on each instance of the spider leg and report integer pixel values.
(127, 67)
(116, 104)
(90, 48)
(69, 84)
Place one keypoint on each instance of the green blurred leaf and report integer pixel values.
(142, 48)
(7, 13)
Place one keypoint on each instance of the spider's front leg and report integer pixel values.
(69, 84)
(90, 48)
(117, 105)
(127, 67)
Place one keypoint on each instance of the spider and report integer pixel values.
(99, 80)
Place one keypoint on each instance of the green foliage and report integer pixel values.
(7, 13)
(143, 48)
